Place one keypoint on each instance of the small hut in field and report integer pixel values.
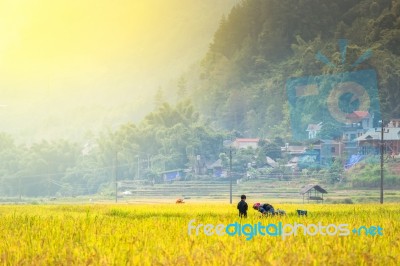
(313, 192)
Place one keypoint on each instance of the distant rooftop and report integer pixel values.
(307, 188)
(247, 140)
(357, 115)
(392, 133)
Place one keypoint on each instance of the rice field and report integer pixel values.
(158, 234)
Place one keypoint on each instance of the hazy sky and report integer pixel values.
(57, 53)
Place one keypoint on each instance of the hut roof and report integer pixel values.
(307, 188)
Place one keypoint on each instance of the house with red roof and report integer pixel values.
(359, 123)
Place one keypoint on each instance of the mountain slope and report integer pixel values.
(241, 81)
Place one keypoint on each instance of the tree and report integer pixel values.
(182, 88)
(159, 97)
(336, 171)
(330, 130)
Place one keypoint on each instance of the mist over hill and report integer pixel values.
(68, 68)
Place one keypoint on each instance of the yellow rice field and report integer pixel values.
(157, 234)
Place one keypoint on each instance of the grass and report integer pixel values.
(157, 234)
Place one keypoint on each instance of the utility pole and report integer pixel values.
(116, 176)
(230, 174)
(19, 187)
(138, 167)
(382, 150)
(48, 180)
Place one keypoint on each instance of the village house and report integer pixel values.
(245, 143)
(369, 143)
(313, 130)
(361, 121)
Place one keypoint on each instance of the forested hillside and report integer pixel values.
(241, 81)
(171, 137)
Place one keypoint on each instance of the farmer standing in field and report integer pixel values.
(242, 207)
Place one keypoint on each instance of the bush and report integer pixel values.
(348, 201)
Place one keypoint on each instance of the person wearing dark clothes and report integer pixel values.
(242, 207)
(264, 208)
